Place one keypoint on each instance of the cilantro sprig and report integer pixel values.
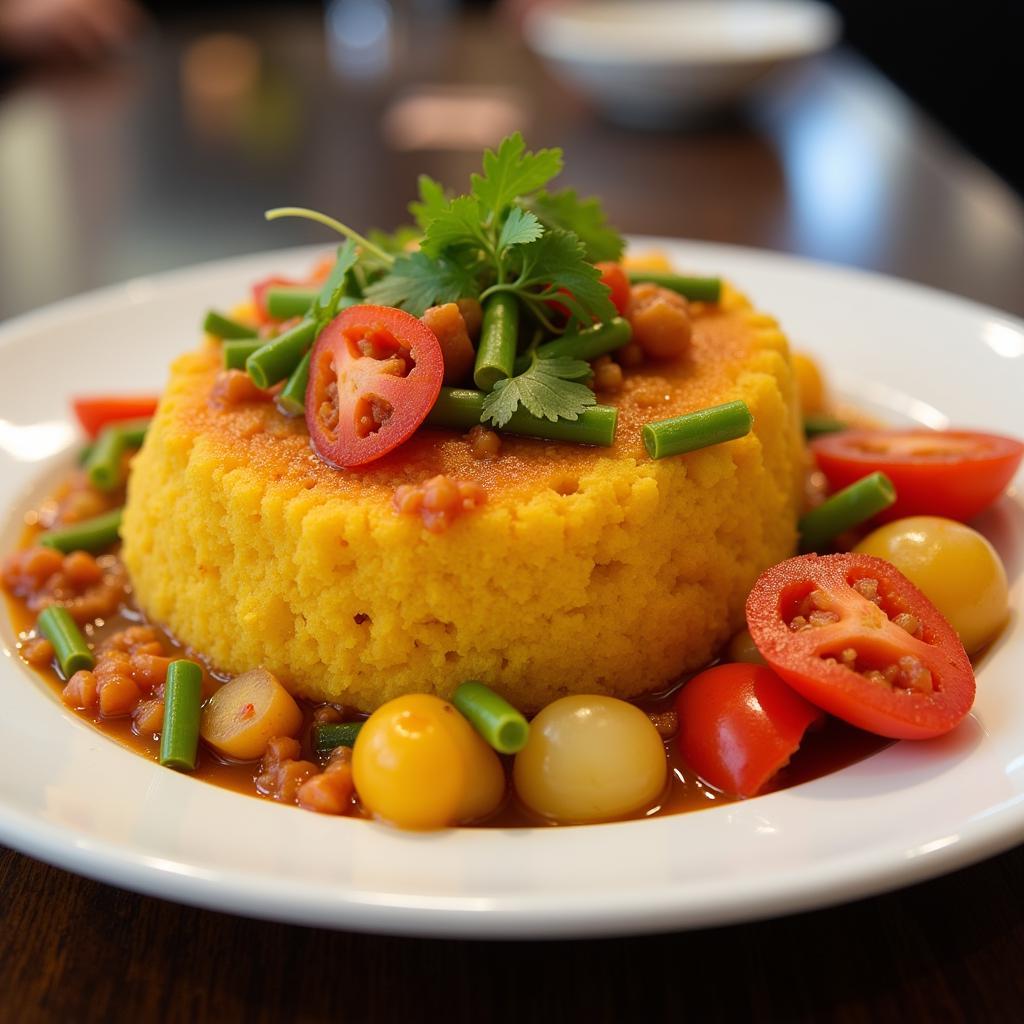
(549, 388)
(508, 234)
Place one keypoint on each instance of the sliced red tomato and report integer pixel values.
(374, 374)
(952, 473)
(739, 724)
(95, 412)
(855, 637)
(615, 278)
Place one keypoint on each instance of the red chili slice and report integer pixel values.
(854, 636)
(95, 412)
(952, 473)
(374, 374)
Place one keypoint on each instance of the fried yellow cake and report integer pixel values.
(585, 570)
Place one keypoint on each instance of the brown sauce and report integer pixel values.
(829, 748)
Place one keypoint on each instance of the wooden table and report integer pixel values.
(147, 166)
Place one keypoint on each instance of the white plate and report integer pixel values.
(72, 797)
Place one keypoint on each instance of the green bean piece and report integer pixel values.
(694, 430)
(69, 646)
(816, 425)
(91, 535)
(292, 400)
(103, 459)
(461, 408)
(844, 510)
(284, 302)
(134, 432)
(329, 735)
(589, 344)
(698, 289)
(499, 336)
(278, 358)
(500, 724)
(225, 328)
(179, 738)
(236, 352)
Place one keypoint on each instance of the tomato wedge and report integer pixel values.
(739, 724)
(95, 412)
(855, 637)
(374, 374)
(951, 473)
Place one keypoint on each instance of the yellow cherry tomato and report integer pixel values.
(742, 648)
(810, 384)
(485, 777)
(590, 759)
(955, 567)
(408, 765)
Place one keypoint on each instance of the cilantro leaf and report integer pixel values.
(548, 389)
(512, 172)
(432, 201)
(556, 267)
(584, 217)
(325, 308)
(520, 227)
(418, 281)
(458, 223)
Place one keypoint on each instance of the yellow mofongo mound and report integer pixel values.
(587, 570)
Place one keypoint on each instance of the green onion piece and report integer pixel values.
(815, 426)
(499, 336)
(699, 289)
(292, 400)
(104, 461)
(224, 327)
(500, 724)
(89, 535)
(238, 351)
(329, 735)
(461, 409)
(700, 429)
(284, 302)
(278, 358)
(179, 738)
(589, 344)
(844, 510)
(73, 654)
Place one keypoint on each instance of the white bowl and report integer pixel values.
(659, 61)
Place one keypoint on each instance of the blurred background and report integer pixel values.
(139, 136)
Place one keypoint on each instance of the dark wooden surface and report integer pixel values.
(139, 168)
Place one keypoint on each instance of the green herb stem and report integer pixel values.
(279, 357)
(461, 409)
(695, 430)
(844, 510)
(499, 336)
(334, 225)
(69, 646)
(500, 724)
(698, 289)
(179, 737)
(92, 535)
(224, 327)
